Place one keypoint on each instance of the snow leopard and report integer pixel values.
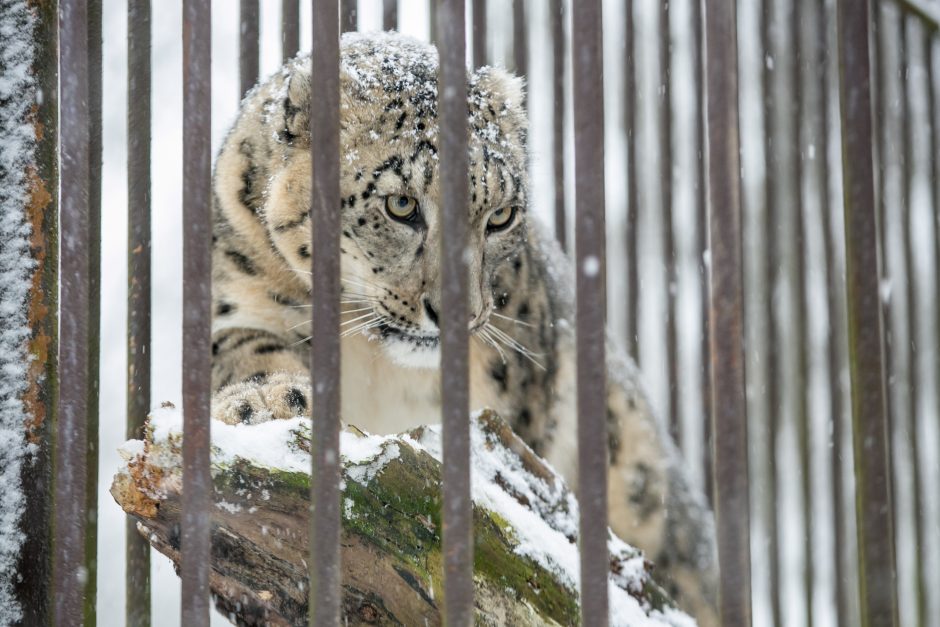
(521, 311)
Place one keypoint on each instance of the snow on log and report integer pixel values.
(525, 521)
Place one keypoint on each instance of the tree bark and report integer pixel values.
(391, 546)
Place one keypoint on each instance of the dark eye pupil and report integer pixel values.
(402, 201)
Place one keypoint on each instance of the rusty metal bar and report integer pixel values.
(877, 570)
(520, 43)
(557, 8)
(669, 239)
(882, 77)
(729, 407)
(799, 307)
(247, 45)
(137, 550)
(455, 375)
(71, 456)
(771, 280)
(933, 96)
(349, 15)
(835, 331)
(701, 226)
(197, 269)
(94, 306)
(324, 565)
(588, 86)
(34, 585)
(390, 15)
(631, 106)
(479, 33)
(290, 29)
(907, 190)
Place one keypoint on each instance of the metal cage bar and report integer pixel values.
(455, 338)
(557, 8)
(668, 225)
(71, 470)
(197, 301)
(349, 15)
(870, 425)
(248, 35)
(139, 304)
(325, 598)
(631, 108)
(290, 29)
(390, 15)
(479, 32)
(729, 407)
(520, 44)
(591, 307)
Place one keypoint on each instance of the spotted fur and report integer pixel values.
(522, 352)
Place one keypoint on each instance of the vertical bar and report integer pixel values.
(69, 571)
(701, 226)
(390, 15)
(835, 328)
(349, 15)
(34, 583)
(877, 573)
(325, 354)
(479, 33)
(799, 307)
(137, 573)
(669, 243)
(455, 376)
(882, 76)
(771, 280)
(591, 297)
(631, 106)
(94, 304)
(520, 45)
(433, 30)
(933, 95)
(729, 408)
(919, 610)
(197, 267)
(247, 45)
(290, 29)
(557, 8)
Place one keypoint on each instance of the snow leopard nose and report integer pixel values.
(432, 314)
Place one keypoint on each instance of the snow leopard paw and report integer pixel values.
(275, 396)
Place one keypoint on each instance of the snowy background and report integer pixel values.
(167, 272)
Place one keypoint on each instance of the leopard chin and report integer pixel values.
(410, 351)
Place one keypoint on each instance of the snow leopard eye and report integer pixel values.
(403, 208)
(500, 219)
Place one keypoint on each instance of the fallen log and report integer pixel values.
(525, 522)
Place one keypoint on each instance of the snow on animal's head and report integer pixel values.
(390, 185)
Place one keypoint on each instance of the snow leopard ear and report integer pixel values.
(496, 84)
(295, 129)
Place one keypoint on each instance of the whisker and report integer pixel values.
(351, 311)
(301, 341)
(299, 324)
(364, 326)
(358, 283)
(484, 335)
(510, 342)
(510, 319)
(357, 318)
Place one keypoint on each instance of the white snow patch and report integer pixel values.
(17, 144)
